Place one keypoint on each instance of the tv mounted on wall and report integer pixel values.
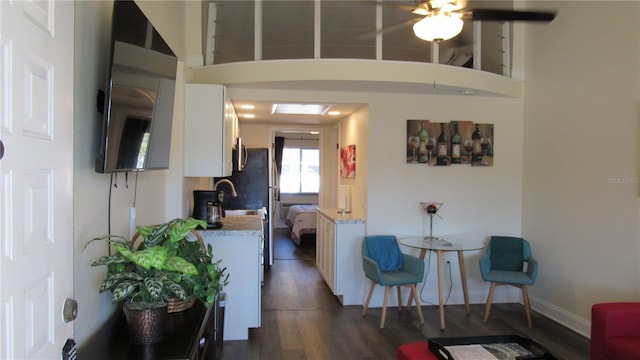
(139, 95)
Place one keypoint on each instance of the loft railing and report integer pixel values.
(237, 31)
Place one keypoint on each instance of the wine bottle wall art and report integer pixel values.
(451, 143)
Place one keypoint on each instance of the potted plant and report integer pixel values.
(165, 265)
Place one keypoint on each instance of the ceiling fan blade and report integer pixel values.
(508, 15)
(388, 29)
(399, 25)
(390, 4)
(397, 6)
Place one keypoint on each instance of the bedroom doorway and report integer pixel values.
(296, 177)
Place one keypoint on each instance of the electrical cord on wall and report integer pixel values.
(428, 265)
(132, 211)
(426, 275)
(424, 281)
(135, 190)
(450, 283)
(112, 183)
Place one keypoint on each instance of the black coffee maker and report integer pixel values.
(207, 206)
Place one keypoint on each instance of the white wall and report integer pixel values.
(581, 176)
(355, 131)
(478, 202)
(256, 135)
(159, 193)
(329, 156)
(169, 18)
(90, 189)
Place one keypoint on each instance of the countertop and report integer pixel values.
(339, 218)
(244, 225)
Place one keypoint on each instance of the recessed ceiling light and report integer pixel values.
(248, 116)
(334, 113)
(248, 106)
(299, 109)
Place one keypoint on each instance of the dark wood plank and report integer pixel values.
(301, 319)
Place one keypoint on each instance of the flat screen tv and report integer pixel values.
(139, 95)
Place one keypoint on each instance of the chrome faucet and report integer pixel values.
(233, 187)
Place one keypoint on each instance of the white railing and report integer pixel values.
(232, 36)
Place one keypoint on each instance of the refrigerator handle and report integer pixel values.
(276, 181)
(245, 156)
(241, 155)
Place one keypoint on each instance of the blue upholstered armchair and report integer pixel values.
(508, 261)
(386, 265)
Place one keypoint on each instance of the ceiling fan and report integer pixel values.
(443, 19)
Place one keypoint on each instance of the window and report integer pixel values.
(300, 170)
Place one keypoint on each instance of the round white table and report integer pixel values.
(440, 246)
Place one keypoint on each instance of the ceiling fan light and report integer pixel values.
(438, 27)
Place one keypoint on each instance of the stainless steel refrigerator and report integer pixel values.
(254, 192)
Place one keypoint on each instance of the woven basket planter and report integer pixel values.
(177, 304)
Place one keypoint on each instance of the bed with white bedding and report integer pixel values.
(301, 220)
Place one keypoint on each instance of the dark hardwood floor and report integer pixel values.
(301, 319)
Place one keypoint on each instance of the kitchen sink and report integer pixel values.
(242, 212)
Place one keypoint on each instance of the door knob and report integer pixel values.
(70, 310)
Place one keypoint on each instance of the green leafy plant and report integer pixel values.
(211, 279)
(165, 265)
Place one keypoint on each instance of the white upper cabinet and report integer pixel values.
(211, 129)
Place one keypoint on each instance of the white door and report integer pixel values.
(36, 177)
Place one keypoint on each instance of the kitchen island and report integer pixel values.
(238, 243)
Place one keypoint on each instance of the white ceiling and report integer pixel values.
(263, 113)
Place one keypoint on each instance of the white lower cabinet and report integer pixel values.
(339, 254)
(241, 255)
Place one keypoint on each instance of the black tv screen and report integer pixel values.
(139, 95)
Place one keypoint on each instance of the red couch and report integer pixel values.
(415, 351)
(615, 331)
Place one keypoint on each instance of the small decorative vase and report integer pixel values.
(146, 326)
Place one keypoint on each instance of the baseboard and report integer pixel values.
(571, 321)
